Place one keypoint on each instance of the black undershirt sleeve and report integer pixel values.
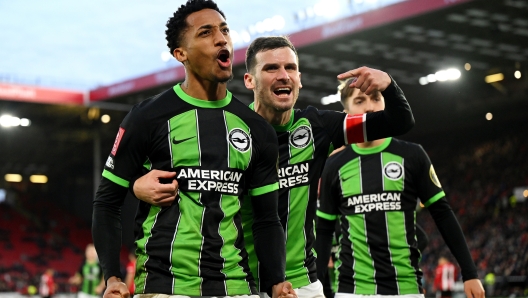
(323, 245)
(396, 118)
(270, 243)
(451, 231)
(422, 238)
(106, 226)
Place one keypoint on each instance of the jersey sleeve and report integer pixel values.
(333, 122)
(328, 203)
(264, 177)
(429, 188)
(129, 150)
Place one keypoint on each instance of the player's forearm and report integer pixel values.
(270, 244)
(106, 226)
(450, 230)
(323, 245)
(397, 109)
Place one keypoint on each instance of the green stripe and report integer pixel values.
(363, 263)
(299, 155)
(350, 178)
(237, 159)
(186, 269)
(391, 184)
(147, 164)
(202, 102)
(184, 130)
(400, 253)
(117, 180)
(235, 275)
(141, 250)
(296, 272)
(326, 216)
(435, 198)
(264, 189)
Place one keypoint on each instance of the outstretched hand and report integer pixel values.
(367, 79)
(473, 289)
(149, 189)
(283, 290)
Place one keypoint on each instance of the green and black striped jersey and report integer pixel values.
(304, 144)
(374, 192)
(221, 150)
(91, 276)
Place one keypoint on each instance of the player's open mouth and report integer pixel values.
(223, 58)
(282, 91)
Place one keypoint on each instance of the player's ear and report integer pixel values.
(249, 81)
(300, 84)
(180, 54)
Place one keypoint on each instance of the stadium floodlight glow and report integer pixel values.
(327, 8)
(25, 122)
(423, 81)
(525, 193)
(431, 78)
(453, 74)
(38, 179)
(517, 74)
(494, 78)
(11, 121)
(13, 177)
(467, 66)
(330, 99)
(441, 75)
(105, 118)
(489, 116)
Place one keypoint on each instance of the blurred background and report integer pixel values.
(70, 71)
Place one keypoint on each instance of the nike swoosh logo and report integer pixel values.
(176, 142)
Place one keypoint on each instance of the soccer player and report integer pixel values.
(220, 151)
(89, 277)
(445, 276)
(373, 188)
(306, 137)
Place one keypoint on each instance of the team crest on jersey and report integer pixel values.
(434, 178)
(239, 139)
(393, 170)
(301, 136)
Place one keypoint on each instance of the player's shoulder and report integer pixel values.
(337, 159)
(406, 144)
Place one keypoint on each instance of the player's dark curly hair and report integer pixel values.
(262, 44)
(177, 24)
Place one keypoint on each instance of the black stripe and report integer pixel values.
(159, 247)
(372, 182)
(415, 254)
(346, 271)
(284, 159)
(211, 123)
(377, 239)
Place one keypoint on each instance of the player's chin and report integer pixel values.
(224, 76)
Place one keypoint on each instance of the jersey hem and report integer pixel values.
(117, 180)
(200, 102)
(264, 189)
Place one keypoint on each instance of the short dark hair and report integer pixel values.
(345, 91)
(177, 24)
(262, 44)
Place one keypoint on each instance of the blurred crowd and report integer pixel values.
(479, 179)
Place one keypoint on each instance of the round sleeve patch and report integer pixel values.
(434, 178)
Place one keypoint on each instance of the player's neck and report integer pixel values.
(203, 89)
(271, 115)
(371, 144)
